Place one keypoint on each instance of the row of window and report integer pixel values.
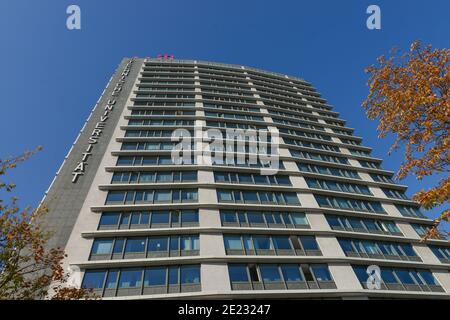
(168, 89)
(223, 160)
(307, 144)
(442, 253)
(138, 281)
(352, 142)
(381, 178)
(357, 152)
(364, 225)
(409, 211)
(318, 156)
(151, 133)
(378, 249)
(238, 135)
(223, 85)
(401, 279)
(230, 107)
(243, 160)
(234, 125)
(236, 116)
(369, 164)
(165, 103)
(280, 276)
(148, 219)
(349, 204)
(422, 230)
(305, 134)
(271, 245)
(153, 145)
(394, 194)
(338, 172)
(142, 247)
(152, 160)
(227, 92)
(154, 177)
(260, 197)
(228, 99)
(152, 196)
(263, 219)
(251, 178)
(160, 122)
(337, 186)
(164, 96)
(343, 132)
(291, 115)
(163, 112)
(297, 124)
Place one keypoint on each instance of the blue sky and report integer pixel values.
(52, 76)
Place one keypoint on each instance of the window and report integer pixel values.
(109, 219)
(189, 216)
(309, 242)
(281, 242)
(155, 276)
(111, 280)
(135, 245)
(233, 242)
(160, 217)
(291, 273)
(93, 279)
(130, 278)
(270, 273)
(321, 272)
(115, 196)
(190, 274)
(238, 273)
(262, 242)
(102, 246)
(157, 244)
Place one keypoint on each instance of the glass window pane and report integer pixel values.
(135, 245)
(189, 216)
(111, 280)
(262, 242)
(190, 274)
(321, 272)
(270, 273)
(282, 242)
(102, 246)
(309, 243)
(93, 279)
(291, 273)
(238, 273)
(109, 219)
(157, 243)
(233, 242)
(155, 276)
(130, 278)
(160, 217)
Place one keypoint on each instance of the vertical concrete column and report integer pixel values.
(215, 278)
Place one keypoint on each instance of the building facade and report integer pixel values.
(200, 180)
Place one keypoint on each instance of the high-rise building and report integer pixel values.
(194, 179)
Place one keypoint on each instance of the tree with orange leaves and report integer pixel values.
(410, 95)
(29, 270)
